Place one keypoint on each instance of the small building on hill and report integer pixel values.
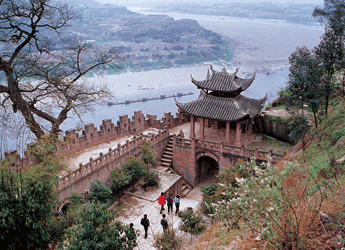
(221, 104)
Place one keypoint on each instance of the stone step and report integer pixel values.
(168, 170)
(170, 157)
(167, 157)
(187, 185)
(164, 164)
(169, 154)
(185, 190)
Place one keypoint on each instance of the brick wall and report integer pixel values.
(184, 158)
(108, 131)
(186, 152)
(101, 167)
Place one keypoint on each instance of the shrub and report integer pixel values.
(100, 191)
(152, 179)
(281, 206)
(168, 241)
(299, 127)
(192, 223)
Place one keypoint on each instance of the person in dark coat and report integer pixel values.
(132, 236)
(170, 203)
(146, 223)
(164, 223)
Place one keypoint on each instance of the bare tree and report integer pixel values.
(42, 74)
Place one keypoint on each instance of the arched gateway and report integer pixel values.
(219, 105)
(207, 167)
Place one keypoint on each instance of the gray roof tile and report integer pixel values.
(223, 81)
(223, 108)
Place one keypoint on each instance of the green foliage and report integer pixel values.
(333, 15)
(229, 175)
(208, 190)
(275, 118)
(208, 197)
(192, 223)
(278, 205)
(100, 191)
(283, 99)
(120, 179)
(304, 83)
(168, 241)
(330, 51)
(152, 178)
(268, 106)
(76, 199)
(335, 101)
(95, 229)
(135, 167)
(25, 205)
(27, 198)
(299, 127)
(147, 154)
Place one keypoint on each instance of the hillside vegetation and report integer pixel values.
(301, 201)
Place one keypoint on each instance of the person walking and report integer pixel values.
(161, 201)
(132, 236)
(146, 223)
(170, 203)
(177, 203)
(164, 223)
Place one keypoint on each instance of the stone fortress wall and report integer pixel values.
(100, 168)
(186, 151)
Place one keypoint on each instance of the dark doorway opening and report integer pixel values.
(208, 168)
(65, 208)
(221, 124)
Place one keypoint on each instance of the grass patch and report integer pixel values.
(268, 143)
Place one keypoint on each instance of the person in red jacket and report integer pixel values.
(161, 201)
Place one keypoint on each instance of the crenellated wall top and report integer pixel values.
(79, 139)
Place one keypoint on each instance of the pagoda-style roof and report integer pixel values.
(223, 108)
(223, 82)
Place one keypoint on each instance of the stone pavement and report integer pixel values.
(83, 156)
(166, 181)
(133, 207)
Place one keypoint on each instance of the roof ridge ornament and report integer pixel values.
(208, 77)
(224, 70)
(236, 71)
(211, 67)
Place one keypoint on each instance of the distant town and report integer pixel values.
(146, 42)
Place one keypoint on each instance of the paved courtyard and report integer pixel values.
(132, 209)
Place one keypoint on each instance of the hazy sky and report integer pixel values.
(135, 2)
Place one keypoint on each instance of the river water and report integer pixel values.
(262, 46)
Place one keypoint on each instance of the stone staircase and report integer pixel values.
(167, 156)
(166, 165)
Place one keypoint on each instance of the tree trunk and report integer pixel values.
(314, 112)
(19, 103)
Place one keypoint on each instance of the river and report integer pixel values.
(262, 46)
